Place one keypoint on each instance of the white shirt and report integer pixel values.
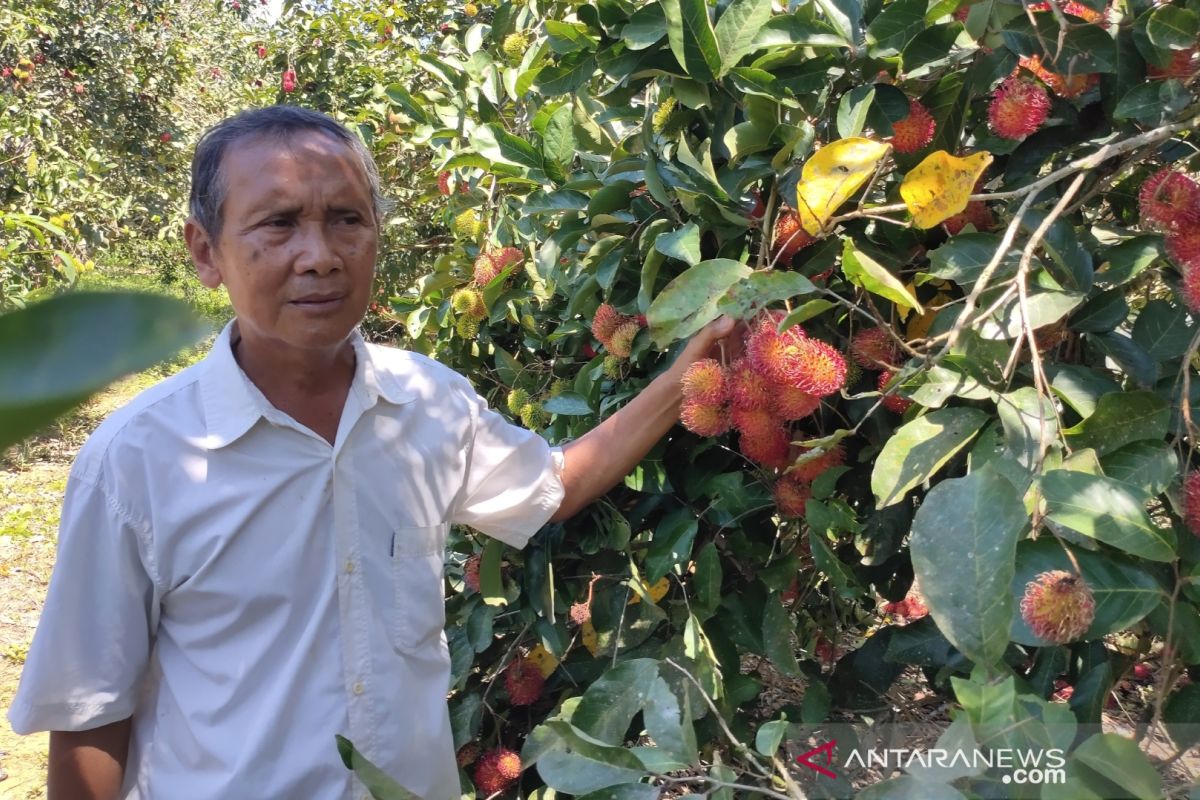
(246, 590)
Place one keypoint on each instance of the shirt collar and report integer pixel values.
(233, 404)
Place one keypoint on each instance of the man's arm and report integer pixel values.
(88, 765)
(596, 461)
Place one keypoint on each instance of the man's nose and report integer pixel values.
(315, 250)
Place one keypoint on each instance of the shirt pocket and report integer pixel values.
(417, 563)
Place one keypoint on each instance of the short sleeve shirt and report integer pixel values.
(245, 590)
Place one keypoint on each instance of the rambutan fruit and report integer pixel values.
(1183, 245)
(665, 119)
(892, 402)
(1189, 286)
(791, 495)
(874, 348)
(791, 403)
(815, 367)
(466, 224)
(517, 400)
(1183, 65)
(1058, 606)
(469, 302)
(534, 417)
(789, 237)
(1018, 108)
(1169, 200)
(605, 323)
(524, 681)
(580, 612)
(471, 572)
(613, 367)
(484, 270)
(810, 469)
(749, 388)
(1191, 501)
(444, 183)
(514, 47)
(467, 327)
(976, 213)
(621, 343)
(704, 382)
(755, 422)
(769, 350)
(704, 419)
(467, 754)
(769, 449)
(496, 770)
(1067, 86)
(507, 256)
(915, 131)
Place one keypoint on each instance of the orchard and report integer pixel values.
(947, 461)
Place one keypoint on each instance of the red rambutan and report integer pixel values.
(815, 367)
(789, 237)
(769, 450)
(703, 419)
(485, 270)
(976, 213)
(471, 572)
(792, 403)
(755, 422)
(1182, 66)
(915, 131)
(892, 402)
(507, 256)
(1183, 245)
(1189, 286)
(444, 183)
(467, 754)
(606, 322)
(874, 348)
(1058, 606)
(748, 388)
(1071, 85)
(811, 469)
(496, 771)
(704, 382)
(524, 680)
(1018, 108)
(791, 496)
(1191, 501)
(1169, 199)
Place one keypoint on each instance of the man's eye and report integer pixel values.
(352, 219)
(279, 222)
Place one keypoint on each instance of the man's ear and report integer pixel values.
(201, 247)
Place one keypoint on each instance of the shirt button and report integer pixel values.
(358, 688)
(349, 566)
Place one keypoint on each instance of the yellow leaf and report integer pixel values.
(918, 327)
(31, 165)
(938, 187)
(590, 639)
(657, 592)
(544, 659)
(831, 176)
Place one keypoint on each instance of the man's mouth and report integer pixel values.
(318, 301)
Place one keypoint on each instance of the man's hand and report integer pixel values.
(88, 765)
(599, 459)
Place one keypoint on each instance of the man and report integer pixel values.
(250, 555)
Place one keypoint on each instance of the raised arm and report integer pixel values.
(596, 461)
(88, 765)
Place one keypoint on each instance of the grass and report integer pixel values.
(33, 478)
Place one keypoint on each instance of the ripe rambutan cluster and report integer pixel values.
(1072, 7)
(616, 331)
(1058, 606)
(789, 237)
(911, 608)
(1191, 501)
(915, 131)
(1018, 108)
(1170, 201)
(524, 681)
(497, 770)
(488, 265)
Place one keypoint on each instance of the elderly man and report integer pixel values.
(250, 556)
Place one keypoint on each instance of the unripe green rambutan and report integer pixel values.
(613, 367)
(704, 382)
(497, 769)
(621, 344)
(514, 47)
(517, 400)
(666, 117)
(703, 419)
(469, 302)
(560, 385)
(853, 371)
(466, 224)
(791, 496)
(534, 417)
(749, 388)
(524, 681)
(467, 327)
(1058, 606)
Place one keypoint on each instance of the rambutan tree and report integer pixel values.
(952, 433)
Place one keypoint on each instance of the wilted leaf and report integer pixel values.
(832, 176)
(938, 187)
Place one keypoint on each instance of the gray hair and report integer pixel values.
(282, 122)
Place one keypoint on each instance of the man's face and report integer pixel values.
(298, 242)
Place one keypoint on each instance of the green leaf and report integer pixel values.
(669, 725)
(499, 146)
(762, 289)
(568, 404)
(1181, 714)
(746, 138)
(806, 312)
(567, 77)
(1106, 510)
(1120, 418)
(928, 48)
(572, 762)
(920, 643)
(1102, 313)
(845, 16)
(558, 140)
(1124, 593)
(1044, 307)
(769, 736)
(1142, 102)
(491, 581)
(672, 543)
(1029, 421)
(964, 540)
(861, 270)
(689, 302)
(1081, 387)
(895, 27)
(609, 704)
(1149, 465)
(1084, 48)
(853, 109)
(964, 258)
(777, 630)
(1125, 261)
(377, 782)
(1164, 330)
(693, 41)
(682, 245)
(737, 30)
(919, 449)
(626, 791)
(1173, 28)
(565, 37)
(1121, 761)
(706, 581)
(1129, 355)
(645, 27)
(794, 29)
(56, 353)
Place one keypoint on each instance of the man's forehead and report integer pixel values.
(275, 161)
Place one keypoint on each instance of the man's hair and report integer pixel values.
(281, 122)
